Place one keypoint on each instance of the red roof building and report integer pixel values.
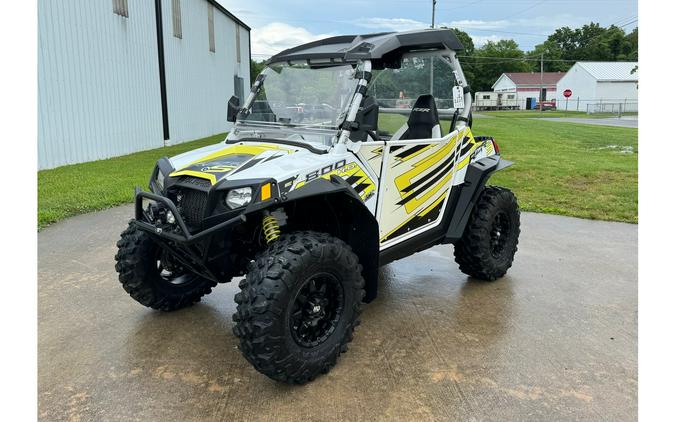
(528, 84)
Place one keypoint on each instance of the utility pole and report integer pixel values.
(431, 59)
(541, 84)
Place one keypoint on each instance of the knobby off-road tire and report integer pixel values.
(490, 239)
(281, 299)
(140, 263)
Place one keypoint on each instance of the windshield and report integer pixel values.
(301, 97)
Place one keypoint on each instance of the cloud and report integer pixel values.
(477, 24)
(390, 24)
(480, 40)
(403, 24)
(277, 36)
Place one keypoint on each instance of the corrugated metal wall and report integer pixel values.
(199, 82)
(98, 83)
(98, 78)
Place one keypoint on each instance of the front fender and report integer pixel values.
(358, 227)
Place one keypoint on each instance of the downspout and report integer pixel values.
(162, 75)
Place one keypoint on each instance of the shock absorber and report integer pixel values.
(270, 227)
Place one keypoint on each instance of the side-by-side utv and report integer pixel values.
(337, 163)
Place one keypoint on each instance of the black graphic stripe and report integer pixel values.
(417, 221)
(430, 184)
(361, 187)
(274, 157)
(395, 148)
(427, 176)
(411, 151)
(248, 165)
(286, 185)
(352, 179)
(466, 148)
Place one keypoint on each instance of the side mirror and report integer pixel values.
(233, 108)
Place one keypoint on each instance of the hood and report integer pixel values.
(230, 159)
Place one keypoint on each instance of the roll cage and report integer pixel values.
(374, 51)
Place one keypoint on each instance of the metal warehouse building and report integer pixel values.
(120, 76)
(600, 87)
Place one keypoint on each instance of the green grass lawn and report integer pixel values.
(79, 188)
(561, 168)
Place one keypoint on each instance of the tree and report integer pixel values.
(591, 42)
(256, 68)
(495, 58)
(467, 54)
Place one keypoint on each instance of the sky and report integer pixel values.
(277, 25)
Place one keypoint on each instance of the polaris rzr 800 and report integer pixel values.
(308, 196)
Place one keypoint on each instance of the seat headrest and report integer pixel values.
(424, 111)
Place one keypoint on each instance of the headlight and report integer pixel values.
(238, 197)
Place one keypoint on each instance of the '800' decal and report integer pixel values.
(325, 170)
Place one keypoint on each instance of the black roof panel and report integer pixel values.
(371, 46)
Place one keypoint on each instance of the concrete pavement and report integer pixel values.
(556, 339)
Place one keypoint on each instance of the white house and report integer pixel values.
(120, 76)
(600, 86)
(528, 84)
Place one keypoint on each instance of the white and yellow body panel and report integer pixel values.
(406, 184)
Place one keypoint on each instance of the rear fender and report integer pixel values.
(477, 174)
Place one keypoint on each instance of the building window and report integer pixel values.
(177, 26)
(121, 7)
(486, 97)
(510, 97)
(212, 33)
(238, 38)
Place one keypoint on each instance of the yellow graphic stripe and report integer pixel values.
(405, 180)
(489, 148)
(210, 177)
(351, 169)
(418, 168)
(240, 149)
(251, 150)
(467, 160)
(433, 204)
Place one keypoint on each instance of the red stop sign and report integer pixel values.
(567, 93)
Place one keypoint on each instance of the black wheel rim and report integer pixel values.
(316, 310)
(172, 272)
(499, 235)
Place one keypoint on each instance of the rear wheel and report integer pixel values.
(490, 240)
(153, 277)
(298, 306)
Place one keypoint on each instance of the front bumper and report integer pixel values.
(180, 232)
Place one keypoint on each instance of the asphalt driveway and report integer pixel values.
(554, 340)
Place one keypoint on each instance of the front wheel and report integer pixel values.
(490, 239)
(153, 277)
(298, 306)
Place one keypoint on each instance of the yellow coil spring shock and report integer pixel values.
(271, 228)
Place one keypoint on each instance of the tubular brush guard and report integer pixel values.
(142, 221)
